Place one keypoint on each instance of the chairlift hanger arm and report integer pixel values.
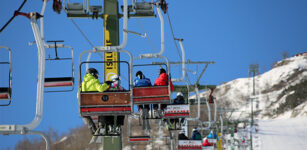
(183, 88)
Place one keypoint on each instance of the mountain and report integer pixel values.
(279, 92)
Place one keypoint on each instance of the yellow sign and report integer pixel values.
(219, 143)
(110, 67)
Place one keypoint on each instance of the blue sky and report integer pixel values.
(232, 33)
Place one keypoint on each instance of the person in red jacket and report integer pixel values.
(160, 81)
(206, 143)
(163, 79)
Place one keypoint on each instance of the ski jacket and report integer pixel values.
(116, 88)
(141, 82)
(90, 83)
(163, 80)
(181, 136)
(196, 135)
(179, 100)
(206, 143)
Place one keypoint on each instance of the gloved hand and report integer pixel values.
(108, 82)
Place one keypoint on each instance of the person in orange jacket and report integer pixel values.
(163, 79)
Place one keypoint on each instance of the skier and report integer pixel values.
(196, 135)
(141, 80)
(91, 83)
(182, 136)
(163, 79)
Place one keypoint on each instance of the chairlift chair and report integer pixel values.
(6, 92)
(178, 110)
(136, 138)
(77, 10)
(107, 103)
(190, 144)
(56, 82)
(152, 94)
(140, 9)
(143, 9)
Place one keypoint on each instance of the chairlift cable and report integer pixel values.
(149, 41)
(7, 23)
(82, 33)
(174, 39)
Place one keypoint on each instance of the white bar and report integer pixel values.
(7, 128)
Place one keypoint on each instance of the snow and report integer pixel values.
(269, 88)
(281, 134)
(286, 131)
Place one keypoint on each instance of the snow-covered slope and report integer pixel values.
(282, 91)
(281, 134)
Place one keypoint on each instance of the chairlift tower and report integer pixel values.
(253, 69)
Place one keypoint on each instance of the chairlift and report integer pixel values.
(107, 103)
(143, 9)
(152, 94)
(76, 10)
(190, 144)
(178, 110)
(56, 82)
(6, 92)
(136, 138)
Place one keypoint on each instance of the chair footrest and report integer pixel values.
(139, 138)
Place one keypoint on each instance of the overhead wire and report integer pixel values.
(172, 31)
(84, 36)
(149, 41)
(8, 22)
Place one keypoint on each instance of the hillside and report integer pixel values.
(280, 91)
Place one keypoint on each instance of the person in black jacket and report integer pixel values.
(182, 136)
(179, 99)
